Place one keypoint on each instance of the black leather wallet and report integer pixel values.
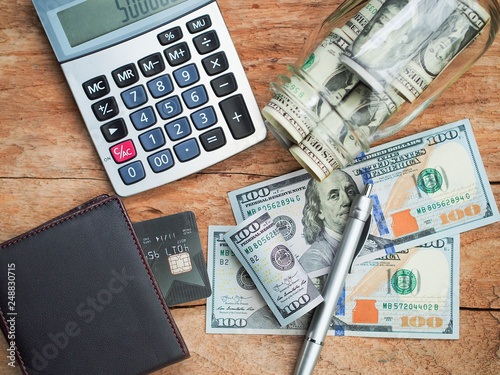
(77, 296)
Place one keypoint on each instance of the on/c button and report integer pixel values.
(123, 151)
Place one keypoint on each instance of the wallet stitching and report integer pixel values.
(152, 282)
(25, 371)
(52, 224)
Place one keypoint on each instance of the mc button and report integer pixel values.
(96, 88)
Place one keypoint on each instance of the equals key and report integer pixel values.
(213, 139)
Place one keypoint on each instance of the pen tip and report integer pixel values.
(368, 189)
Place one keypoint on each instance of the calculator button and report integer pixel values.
(105, 109)
(187, 150)
(204, 118)
(207, 42)
(186, 76)
(213, 139)
(134, 97)
(161, 161)
(114, 130)
(152, 139)
(236, 114)
(143, 118)
(215, 64)
(199, 24)
(178, 129)
(126, 75)
(170, 36)
(178, 54)
(123, 151)
(169, 108)
(96, 88)
(160, 86)
(132, 173)
(224, 85)
(151, 65)
(195, 97)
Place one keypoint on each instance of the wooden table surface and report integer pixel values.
(48, 165)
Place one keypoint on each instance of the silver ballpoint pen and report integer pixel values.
(355, 234)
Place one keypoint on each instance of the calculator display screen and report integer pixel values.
(92, 18)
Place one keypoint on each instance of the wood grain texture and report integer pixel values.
(48, 165)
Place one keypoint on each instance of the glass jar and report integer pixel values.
(370, 69)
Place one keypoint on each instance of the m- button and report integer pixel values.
(151, 65)
(96, 88)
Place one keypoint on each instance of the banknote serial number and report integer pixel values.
(444, 203)
(274, 205)
(261, 241)
(410, 306)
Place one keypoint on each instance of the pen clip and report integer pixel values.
(362, 240)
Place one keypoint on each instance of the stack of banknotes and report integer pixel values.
(404, 282)
(341, 99)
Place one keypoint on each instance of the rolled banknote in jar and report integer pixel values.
(321, 82)
(407, 76)
(345, 131)
(459, 30)
(395, 34)
(303, 99)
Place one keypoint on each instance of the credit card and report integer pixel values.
(173, 248)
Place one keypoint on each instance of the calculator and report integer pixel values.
(159, 85)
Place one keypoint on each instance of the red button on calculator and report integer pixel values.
(123, 151)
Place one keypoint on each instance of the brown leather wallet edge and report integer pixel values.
(81, 209)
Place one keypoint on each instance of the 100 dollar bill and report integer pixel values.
(426, 186)
(260, 247)
(412, 294)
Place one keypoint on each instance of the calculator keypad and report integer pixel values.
(167, 108)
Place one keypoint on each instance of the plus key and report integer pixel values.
(237, 117)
